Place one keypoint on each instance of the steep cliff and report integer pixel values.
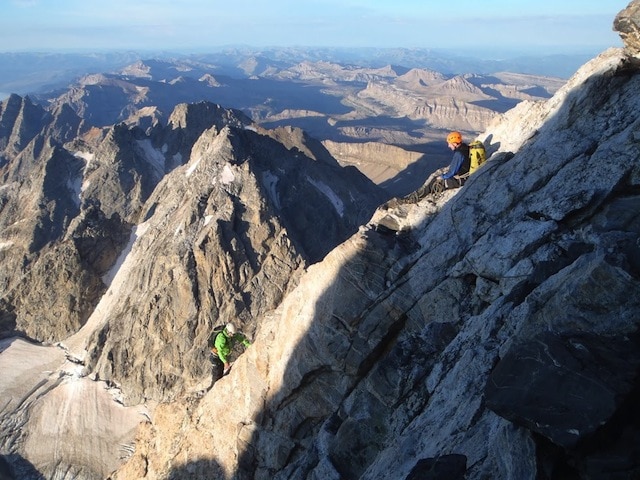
(124, 248)
(499, 339)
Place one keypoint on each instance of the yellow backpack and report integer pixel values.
(477, 155)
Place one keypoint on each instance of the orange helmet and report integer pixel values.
(454, 137)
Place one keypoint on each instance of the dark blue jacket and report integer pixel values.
(460, 162)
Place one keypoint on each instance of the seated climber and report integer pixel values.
(460, 163)
(454, 177)
(224, 343)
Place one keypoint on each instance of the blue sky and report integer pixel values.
(195, 25)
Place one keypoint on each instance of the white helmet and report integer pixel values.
(230, 328)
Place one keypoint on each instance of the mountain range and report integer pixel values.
(492, 334)
(389, 121)
(36, 72)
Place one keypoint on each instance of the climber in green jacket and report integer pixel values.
(224, 343)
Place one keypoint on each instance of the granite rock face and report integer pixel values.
(627, 24)
(125, 248)
(495, 338)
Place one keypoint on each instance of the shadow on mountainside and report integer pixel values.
(380, 129)
(355, 336)
(7, 320)
(359, 331)
(369, 347)
(196, 470)
(323, 369)
(15, 467)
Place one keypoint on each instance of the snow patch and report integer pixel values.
(192, 167)
(271, 182)
(137, 232)
(86, 156)
(75, 186)
(5, 245)
(74, 371)
(82, 186)
(207, 219)
(330, 194)
(227, 176)
(250, 128)
(153, 156)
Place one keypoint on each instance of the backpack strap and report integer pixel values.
(461, 179)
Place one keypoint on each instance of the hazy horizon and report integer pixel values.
(540, 26)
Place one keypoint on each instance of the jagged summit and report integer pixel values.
(48, 184)
(496, 339)
(329, 100)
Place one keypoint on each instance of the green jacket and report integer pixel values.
(224, 343)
